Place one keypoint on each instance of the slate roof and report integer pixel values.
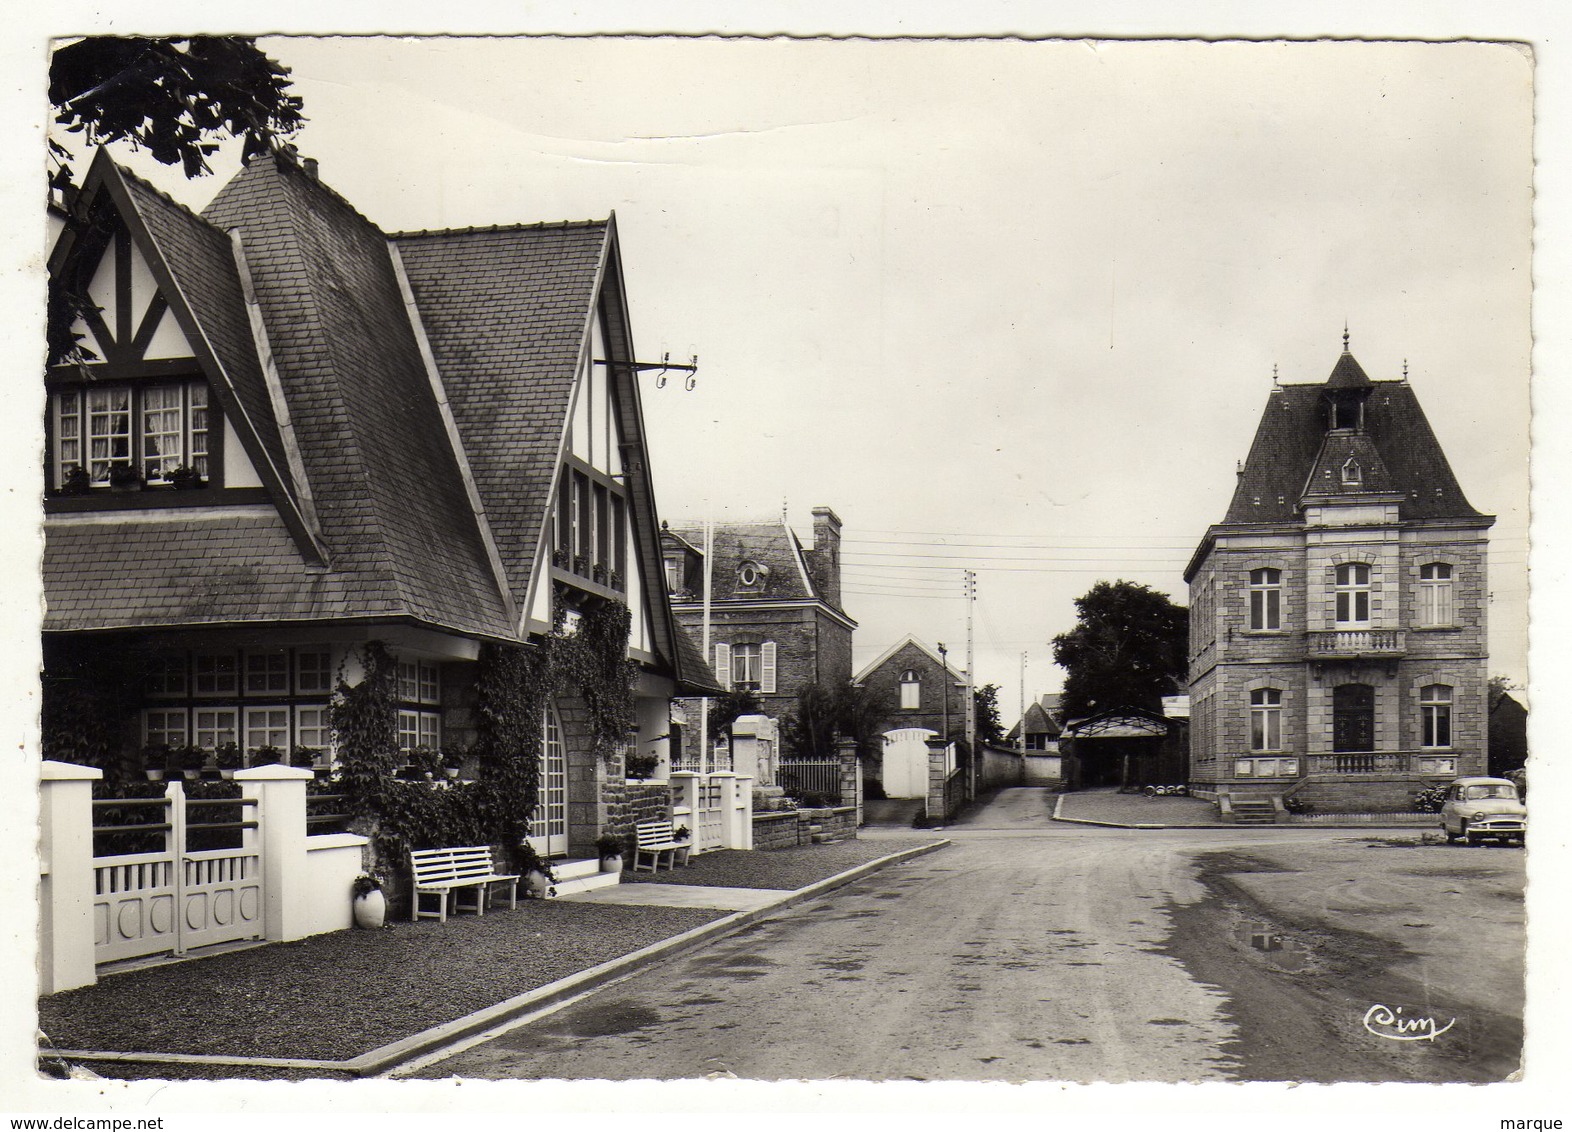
(771, 544)
(1038, 722)
(192, 566)
(698, 678)
(1289, 442)
(375, 514)
(506, 311)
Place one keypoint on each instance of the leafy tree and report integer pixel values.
(824, 715)
(989, 727)
(1128, 649)
(726, 709)
(171, 97)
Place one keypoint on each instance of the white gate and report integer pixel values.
(548, 827)
(710, 817)
(176, 899)
(905, 762)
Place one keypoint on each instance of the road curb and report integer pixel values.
(1229, 826)
(386, 1058)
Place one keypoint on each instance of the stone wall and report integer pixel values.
(785, 829)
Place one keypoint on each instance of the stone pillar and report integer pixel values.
(280, 796)
(851, 777)
(937, 748)
(65, 907)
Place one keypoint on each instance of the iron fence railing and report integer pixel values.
(810, 778)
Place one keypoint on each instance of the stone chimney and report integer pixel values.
(827, 555)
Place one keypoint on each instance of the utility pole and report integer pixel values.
(971, 683)
(944, 699)
(1021, 737)
(709, 658)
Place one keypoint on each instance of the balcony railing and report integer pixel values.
(1383, 762)
(1329, 643)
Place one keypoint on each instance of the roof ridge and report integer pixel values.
(475, 228)
(162, 195)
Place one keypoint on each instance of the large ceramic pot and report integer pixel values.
(611, 864)
(536, 884)
(371, 910)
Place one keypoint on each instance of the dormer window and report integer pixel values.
(146, 430)
(751, 574)
(1353, 474)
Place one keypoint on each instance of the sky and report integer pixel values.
(1002, 305)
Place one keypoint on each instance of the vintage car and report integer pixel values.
(1483, 809)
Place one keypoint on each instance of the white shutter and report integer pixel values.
(767, 668)
(723, 665)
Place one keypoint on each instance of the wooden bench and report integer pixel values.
(656, 839)
(441, 872)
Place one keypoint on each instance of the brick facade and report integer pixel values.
(884, 676)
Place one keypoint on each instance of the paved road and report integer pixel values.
(1025, 951)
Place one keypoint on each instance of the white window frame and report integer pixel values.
(747, 663)
(418, 729)
(419, 682)
(305, 664)
(313, 729)
(223, 682)
(156, 726)
(1266, 599)
(100, 408)
(167, 675)
(212, 722)
(1435, 715)
(267, 673)
(911, 690)
(1435, 595)
(154, 427)
(276, 724)
(1266, 719)
(723, 665)
(1353, 595)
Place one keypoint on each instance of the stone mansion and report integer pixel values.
(1337, 629)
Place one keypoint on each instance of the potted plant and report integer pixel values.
(537, 874)
(186, 479)
(77, 481)
(610, 850)
(599, 573)
(641, 766)
(192, 760)
(226, 756)
(452, 762)
(155, 759)
(369, 903)
(124, 477)
(269, 755)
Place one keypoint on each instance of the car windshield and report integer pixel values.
(1489, 790)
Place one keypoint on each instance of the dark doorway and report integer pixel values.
(1353, 717)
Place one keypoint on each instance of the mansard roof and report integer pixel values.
(773, 545)
(1293, 448)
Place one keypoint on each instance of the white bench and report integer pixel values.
(441, 872)
(656, 839)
